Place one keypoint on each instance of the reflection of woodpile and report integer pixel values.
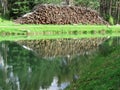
(52, 14)
(63, 47)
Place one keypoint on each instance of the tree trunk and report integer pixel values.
(4, 6)
(110, 8)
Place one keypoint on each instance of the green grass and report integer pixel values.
(9, 29)
(103, 73)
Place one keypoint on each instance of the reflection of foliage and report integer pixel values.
(107, 47)
(103, 73)
(103, 70)
(1, 79)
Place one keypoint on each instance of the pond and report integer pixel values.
(48, 64)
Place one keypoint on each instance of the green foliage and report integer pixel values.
(111, 20)
(1, 19)
(18, 8)
(94, 4)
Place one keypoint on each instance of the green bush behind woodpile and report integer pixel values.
(20, 7)
(94, 4)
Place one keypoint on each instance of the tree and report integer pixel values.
(4, 4)
(110, 9)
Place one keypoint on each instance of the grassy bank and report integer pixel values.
(103, 73)
(8, 29)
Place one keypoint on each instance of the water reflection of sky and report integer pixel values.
(1, 62)
(54, 85)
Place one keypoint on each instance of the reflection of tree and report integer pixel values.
(4, 67)
(22, 60)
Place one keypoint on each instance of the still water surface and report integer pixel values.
(46, 64)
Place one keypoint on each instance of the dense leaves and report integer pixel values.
(17, 8)
(94, 4)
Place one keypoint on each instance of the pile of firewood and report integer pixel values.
(53, 14)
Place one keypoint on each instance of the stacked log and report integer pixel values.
(53, 14)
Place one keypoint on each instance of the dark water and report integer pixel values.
(47, 64)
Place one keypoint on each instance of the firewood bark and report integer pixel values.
(52, 14)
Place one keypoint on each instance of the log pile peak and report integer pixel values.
(54, 14)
